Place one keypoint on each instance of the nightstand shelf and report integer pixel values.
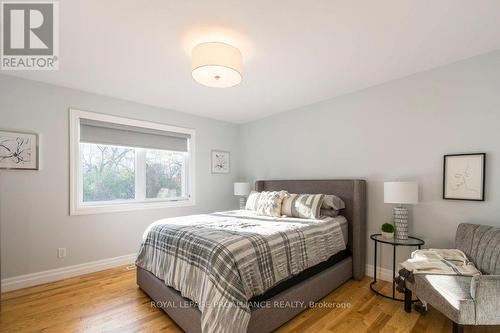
(378, 238)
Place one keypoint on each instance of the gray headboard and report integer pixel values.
(352, 191)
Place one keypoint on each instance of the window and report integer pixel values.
(108, 173)
(120, 164)
(165, 174)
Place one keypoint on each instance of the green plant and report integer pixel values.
(387, 227)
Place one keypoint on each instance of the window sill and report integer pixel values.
(130, 206)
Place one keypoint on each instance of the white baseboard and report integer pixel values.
(33, 279)
(382, 273)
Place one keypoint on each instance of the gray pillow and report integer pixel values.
(329, 212)
(332, 202)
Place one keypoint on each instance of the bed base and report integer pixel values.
(263, 319)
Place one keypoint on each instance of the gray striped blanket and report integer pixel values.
(222, 260)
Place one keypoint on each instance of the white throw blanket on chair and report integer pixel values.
(440, 261)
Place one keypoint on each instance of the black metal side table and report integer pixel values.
(377, 238)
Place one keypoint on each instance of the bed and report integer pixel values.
(310, 285)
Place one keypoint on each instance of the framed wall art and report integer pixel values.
(18, 150)
(464, 176)
(220, 161)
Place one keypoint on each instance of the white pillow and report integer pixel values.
(269, 203)
(252, 199)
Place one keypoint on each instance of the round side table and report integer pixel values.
(377, 238)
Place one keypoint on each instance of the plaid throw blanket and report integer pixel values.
(435, 261)
(222, 260)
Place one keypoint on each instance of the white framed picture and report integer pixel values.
(219, 161)
(18, 150)
(464, 177)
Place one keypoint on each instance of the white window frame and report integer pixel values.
(78, 207)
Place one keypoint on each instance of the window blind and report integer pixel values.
(100, 132)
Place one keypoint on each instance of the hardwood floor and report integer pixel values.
(109, 301)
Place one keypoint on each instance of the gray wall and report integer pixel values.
(395, 131)
(399, 130)
(34, 204)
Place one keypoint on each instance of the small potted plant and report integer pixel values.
(387, 230)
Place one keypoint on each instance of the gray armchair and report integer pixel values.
(466, 300)
(485, 290)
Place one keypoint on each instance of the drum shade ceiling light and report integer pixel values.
(216, 64)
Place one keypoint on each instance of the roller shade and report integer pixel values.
(100, 132)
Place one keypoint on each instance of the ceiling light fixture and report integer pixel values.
(216, 64)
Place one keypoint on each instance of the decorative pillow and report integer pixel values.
(269, 203)
(303, 205)
(252, 199)
(333, 202)
(329, 212)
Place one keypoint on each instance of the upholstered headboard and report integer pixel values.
(352, 191)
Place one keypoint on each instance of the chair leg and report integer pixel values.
(408, 300)
(457, 328)
(420, 307)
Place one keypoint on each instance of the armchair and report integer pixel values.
(466, 300)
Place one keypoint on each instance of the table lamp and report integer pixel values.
(242, 190)
(401, 193)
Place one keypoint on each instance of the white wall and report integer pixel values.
(395, 131)
(34, 204)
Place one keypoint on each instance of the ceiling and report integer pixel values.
(294, 52)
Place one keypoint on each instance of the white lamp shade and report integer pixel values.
(216, 65)
(242, 189)
(401, 192)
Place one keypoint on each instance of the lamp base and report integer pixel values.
(243, 202)
(401, 222)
